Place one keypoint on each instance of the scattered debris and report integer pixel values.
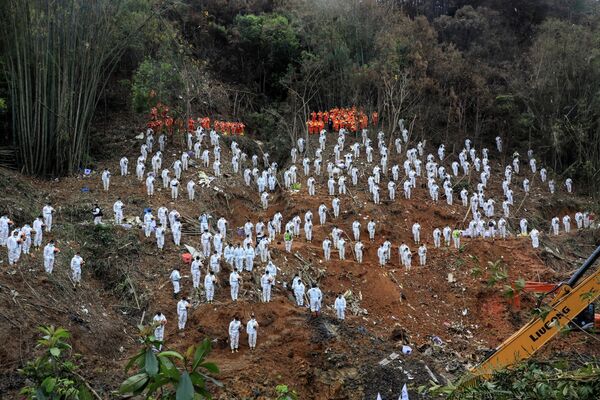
(204, 180)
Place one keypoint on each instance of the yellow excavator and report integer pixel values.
(570, 299)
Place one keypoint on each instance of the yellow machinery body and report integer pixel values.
(571, 298)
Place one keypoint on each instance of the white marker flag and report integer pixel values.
(378, 396)
(404, 393)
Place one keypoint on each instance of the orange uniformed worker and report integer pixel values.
(169, 124)
(363, 121)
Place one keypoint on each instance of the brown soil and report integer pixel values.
(321, 358)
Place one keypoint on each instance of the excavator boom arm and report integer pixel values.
(535, 334)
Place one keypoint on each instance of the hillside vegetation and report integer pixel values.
(83, 80)
(525, 70)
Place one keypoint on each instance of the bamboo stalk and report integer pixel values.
(60, 56)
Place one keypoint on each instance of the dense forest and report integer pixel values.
(528, 71)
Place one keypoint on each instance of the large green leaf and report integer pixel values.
(168, 368)
(135, 360)
(170, 354)
(185, 388)
(211, 367)
(151, 363)
(134, 383)
(156, 384)
(48, 384)
(201, 351)
(55, 351)
(165, 363)
(197, 380)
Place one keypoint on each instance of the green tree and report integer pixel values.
(554, 380)
(267, 44)
(562, 96)
(479, 32)
(157, 373)
(52, 375)
(155, 81)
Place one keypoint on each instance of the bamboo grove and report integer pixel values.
(58, 57)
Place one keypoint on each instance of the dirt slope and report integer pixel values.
(126, 279)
